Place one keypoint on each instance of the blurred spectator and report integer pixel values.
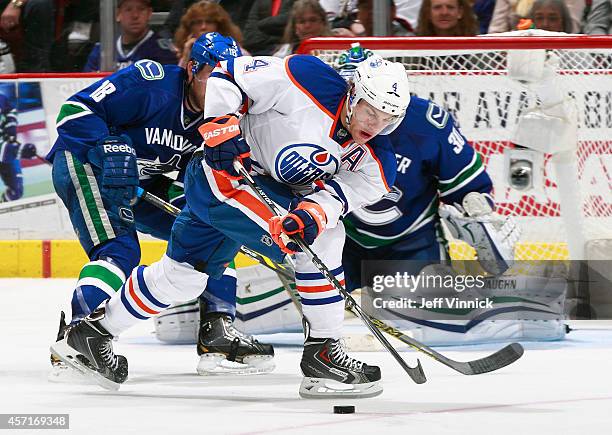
(507, 14)
(342, 16)
(409, 11)
(599, 19)
(36, 20)
(399, 26)
(551, 15)
(484, 12)
(238, 10)
(447, 18)
(203, 17)
(307, 19)
(265, 25)
(136, 41)
(77, 30)
(7, 64)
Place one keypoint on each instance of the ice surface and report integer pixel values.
(556, 388)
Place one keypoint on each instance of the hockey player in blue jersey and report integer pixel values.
(438, 174)
(127, 130)
(136, 40)
(11, 152)
(314, 144)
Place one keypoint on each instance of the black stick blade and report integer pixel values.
(417, 374)
(499, 359)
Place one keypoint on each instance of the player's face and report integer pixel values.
(367, 122)
(133, 17)
(445, 14)
(198, 86)
(308, 25)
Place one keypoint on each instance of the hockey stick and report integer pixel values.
(495, 361)
(415, 373)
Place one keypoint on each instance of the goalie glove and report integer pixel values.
(492, 236)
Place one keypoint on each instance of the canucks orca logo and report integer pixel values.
(303, 163)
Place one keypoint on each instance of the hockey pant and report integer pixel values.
(107, 231)
(221, 215)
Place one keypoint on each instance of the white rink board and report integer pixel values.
(556, 388)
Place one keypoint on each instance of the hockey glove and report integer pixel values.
(116, 156)
(492, 236)
(307, 220)
(223, 143)
(27, 151)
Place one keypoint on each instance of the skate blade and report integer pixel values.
(62, 374)
(69, 356)
(217, 364)
(320, 388)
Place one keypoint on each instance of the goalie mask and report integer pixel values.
(347, 62)
(211, 48)
(382, 84)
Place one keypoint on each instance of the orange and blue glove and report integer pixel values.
(223, 143)
(307, 220)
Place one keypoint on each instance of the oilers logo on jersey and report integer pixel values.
(301, 164)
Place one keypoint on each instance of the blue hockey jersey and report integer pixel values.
(434, 162)
(144, 101)
(150, 47)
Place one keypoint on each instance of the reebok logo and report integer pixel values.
(109, 148)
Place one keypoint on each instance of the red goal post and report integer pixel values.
(562, 216)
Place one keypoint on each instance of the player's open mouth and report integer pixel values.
(365, 134)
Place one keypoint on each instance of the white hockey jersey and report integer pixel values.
(291, 109)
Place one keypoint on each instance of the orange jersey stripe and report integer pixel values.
(382, 173)
(301, 88)
(317, 288)
(142, 306)
(242, 196)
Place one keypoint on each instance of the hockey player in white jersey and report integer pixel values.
(315, 148)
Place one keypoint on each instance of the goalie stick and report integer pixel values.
(495, 361)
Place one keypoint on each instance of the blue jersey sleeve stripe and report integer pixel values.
(339, 193)
(229, 78)
(318, 81)
(230, 67)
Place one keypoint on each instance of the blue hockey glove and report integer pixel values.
(116, 156)
(223, 143)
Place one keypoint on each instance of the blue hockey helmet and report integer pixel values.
(211, 48)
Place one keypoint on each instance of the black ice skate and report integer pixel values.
(60, 372)
(87, 347)
(330, 373)
(224, 349)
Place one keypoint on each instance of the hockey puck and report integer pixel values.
(350, 409)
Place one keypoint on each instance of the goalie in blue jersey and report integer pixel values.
(439, 175)
(137, 127)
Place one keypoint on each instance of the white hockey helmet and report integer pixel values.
(384, 85)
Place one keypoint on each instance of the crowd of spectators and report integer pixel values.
(63, 35)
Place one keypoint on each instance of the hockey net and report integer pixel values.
(568, 211)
